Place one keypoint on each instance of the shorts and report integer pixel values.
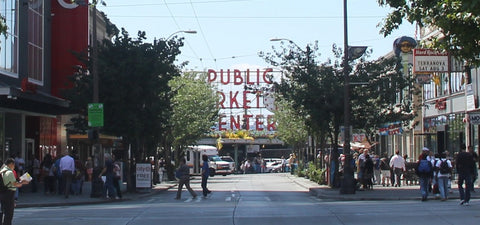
(385, 173)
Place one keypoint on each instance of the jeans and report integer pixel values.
(67, 181)
(109, 187)
(443, 186)
(424, 183)
(185, 181)
(464, 193)
(398, 173)
(204, 186)
(8, 206)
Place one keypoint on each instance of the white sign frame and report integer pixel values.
(143, 175)
(430, 61)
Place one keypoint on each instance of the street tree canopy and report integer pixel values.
(194, 109)
(457, 20)
(133, 86)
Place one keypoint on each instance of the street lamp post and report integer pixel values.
(347, 184)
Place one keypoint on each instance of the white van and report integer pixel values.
(193, 156)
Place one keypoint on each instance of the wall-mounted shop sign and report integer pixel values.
(430, 61)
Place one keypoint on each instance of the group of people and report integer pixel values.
(183, 176)
(436, 172)
(65, 174)
(371, 169)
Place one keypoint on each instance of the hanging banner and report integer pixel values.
(391, 129)
(474, 118)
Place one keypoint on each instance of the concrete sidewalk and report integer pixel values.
(39, 199)
(378, 193)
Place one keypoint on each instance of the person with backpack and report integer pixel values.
(10, 185)
(443, 175)
(424, 171)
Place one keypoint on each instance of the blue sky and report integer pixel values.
(232, 32)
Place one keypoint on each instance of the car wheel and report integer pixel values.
(212, 172)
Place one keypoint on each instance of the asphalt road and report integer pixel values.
(253, 199)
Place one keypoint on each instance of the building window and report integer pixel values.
(439, 86)
(9, 42)
(35, 41)
(457, 82)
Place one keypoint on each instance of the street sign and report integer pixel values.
(95, 114)
(430, 61)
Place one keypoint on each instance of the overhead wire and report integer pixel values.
(202, 33)
(178, 26)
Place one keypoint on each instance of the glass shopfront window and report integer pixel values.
(446, 132)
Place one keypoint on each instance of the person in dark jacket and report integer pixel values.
(424, 177)
(184, 179)
(367, 171)
(466, 170)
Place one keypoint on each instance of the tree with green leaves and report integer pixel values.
(457, 20)
(291, 124)
(194, 110)
(385, 96)
(133, 87)
(315, 92)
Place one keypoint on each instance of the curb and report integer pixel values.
(95, 201)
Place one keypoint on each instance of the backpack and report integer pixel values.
(3, 187)
(444, 168)
(424, 166)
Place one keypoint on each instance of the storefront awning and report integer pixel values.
(39, 102)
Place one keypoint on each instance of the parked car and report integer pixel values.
(274, 167)
(230, 161)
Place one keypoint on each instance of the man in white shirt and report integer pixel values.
(67, 167)
(397, 163)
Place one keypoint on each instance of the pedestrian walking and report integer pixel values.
(183, 174)
(443, 175)
(398, 164)
(67, 167)
(117, 177)
(385, 171)
(376, 169)
(367, 171)
(205, 175)
(48, 174)
(35, 174)
(424, 171)
(465, 169)
(108, 190)
(7, 198)
(89, 168)
(475, 171)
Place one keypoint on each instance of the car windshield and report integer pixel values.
(214, 158)
(228, 159)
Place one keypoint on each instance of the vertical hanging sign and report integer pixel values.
(95, 115)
